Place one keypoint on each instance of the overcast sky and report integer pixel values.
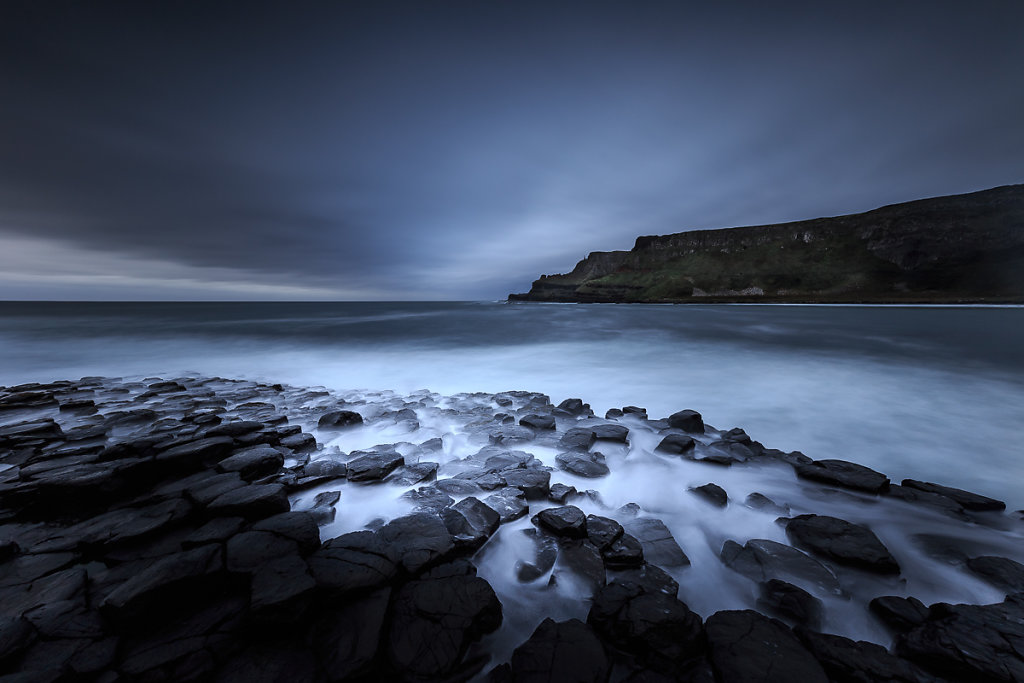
(428, 150)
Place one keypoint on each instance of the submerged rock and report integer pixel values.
(842, 473)
(761, 560)
(712, 493)
(969, 501)
(659, 546)
(842, 541)
(589, 465)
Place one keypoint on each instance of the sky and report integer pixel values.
(456, 150)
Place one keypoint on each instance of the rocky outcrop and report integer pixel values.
(966, 247)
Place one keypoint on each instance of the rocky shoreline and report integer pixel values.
(185, 529)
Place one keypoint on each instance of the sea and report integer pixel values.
(925, 392)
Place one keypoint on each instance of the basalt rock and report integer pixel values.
(746, 646)
(659, 546)
(842, 541)
(561, 651)
(968, 500)
(842, 473)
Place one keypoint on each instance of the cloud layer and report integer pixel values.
(392, 150)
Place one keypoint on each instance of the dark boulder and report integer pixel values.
(712, 493)
(352, 563)
(337, 419)
(623, 553)
(659, 546)
(842, 541)
(583, 464)
(761, 560)
(843, 473)
(1003, 573)
(509, 503)
(235, 429)
(538, 421)
(603, 531)
(428, 499)
(374, 466)
(300, 443)
(969, 642)
(577, 439)
(850, 661)
(560, 493)
(545, 551)
(567, 521)
(899, 614)
(248, 551)
(583, 560)
(610, 432)
(561, 652)
(676, 444)
(434, 620)
(916, 496)
(416, 541)
(659, 630)
(470, 523)
(253, 463)
(300, 527)
(745, 646)
(759, 501)
(347, 638)
(254, 501)
(969, 501)
(687, 420)
(194, 454)
(281, 590)
(574, 407)
(651, 578)
(535, 483)
(511, 435)
(788, 602)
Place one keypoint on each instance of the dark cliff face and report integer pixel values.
(966, 247)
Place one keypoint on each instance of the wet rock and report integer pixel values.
(935, 500)
(848, 660)
(623, 553)
(659, 546)
(253, 463)
(535, 483)
(434, 620)
(786, 601)
(428, 499)
(577, 439)
(724, 453)
(470, 523)
(843, 473)
(611, 432)
(456, 487)
(217, 530)
(248, 551)
(969, 501)
(300, 443)
(842, 541)
(761, 560)
(509, 503)
(338, 419)
(117, 527)
(899, 614)
(1003, 573)
(510, 435)
(687, 420)
(969, 642)
(567, 521)
(658, 629)
(374, 466)
(326, 499)
(281, 590)
(538, 421)
(16, 634)
(352, 563)
(560, 493)
(759, 501)
(713, 494)
(205, 487)
(263, 662)
(417, 541)
(583, 464)
(545, 552)
(676, 444)
(602, 531)
(235, 429)
(651, 578)
(194, 454)
(573, 407)
(254, 501)
(558, 652)
(347, 638)
(296, 526)
(325, 468)
(613, 414)
(746, 646)
(583, 560)
(175, 580)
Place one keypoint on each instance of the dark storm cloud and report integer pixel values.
(458, 150)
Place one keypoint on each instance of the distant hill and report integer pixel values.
(961, 248)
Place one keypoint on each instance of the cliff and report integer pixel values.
(960, 248)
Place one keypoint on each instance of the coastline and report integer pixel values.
(130, 502)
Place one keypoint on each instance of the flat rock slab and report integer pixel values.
(846, 474)
(676, 444)
(746, 646)
(510, 504)
(338, 419)
(567, 521)
(352, 563)
(538, 421)
(374, 466)
(899, 613)
(590, 465)
(842, 541)
(470, 523)
(416, 540)
(1001, 572)
(660, 548)
(969, 501)
(848, 660)
(789, 602)
(252, 463)
(561, 651)
(254, 501)
(761, 560)
(535, 483)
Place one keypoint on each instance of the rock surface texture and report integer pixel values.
(204, 529)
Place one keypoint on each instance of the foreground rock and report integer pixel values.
(842, 541)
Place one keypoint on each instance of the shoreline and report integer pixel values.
(126, 503)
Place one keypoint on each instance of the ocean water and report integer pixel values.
(922, 392)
